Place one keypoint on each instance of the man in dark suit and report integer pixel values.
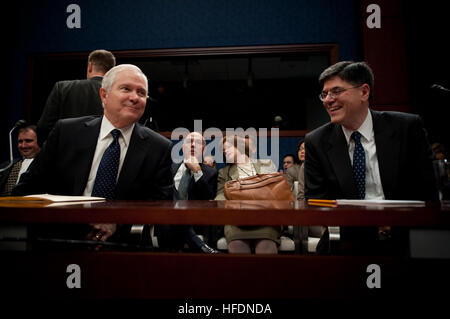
(76, 157)
(76, 98)
(390, 150)
(203, 181)
(28, 148)
(193, 180)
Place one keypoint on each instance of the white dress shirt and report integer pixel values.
(374, 189)
(104, 140)
(246, 169)
(177, 178)
(23, 168)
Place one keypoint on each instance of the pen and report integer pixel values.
(321, 204)
(322, 201)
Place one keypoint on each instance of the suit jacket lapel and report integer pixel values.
(133, 160)
(86, 150)
(388, 149)
(340, 162)
(174, 168)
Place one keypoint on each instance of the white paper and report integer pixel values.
(380, 202)
(63, 198)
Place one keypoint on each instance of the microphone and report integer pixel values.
(19, 123)
(439, 87)
(11, 159)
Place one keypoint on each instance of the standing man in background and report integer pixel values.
(76, 98)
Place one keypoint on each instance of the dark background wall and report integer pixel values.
(40, 27)
(412, 32)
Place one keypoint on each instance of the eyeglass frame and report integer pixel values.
(337, 91)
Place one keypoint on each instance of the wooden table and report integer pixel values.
(435, 214)
(124, 275)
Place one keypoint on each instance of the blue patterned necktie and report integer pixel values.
(185, 182)
(359, 165)
(105, 180)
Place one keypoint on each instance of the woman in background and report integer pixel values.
(241, 240)
(296, 172)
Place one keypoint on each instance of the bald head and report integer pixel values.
(193, 146)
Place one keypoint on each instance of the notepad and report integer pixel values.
(381, 202)
(366, 202)
(48, 198)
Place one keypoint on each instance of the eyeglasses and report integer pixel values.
(334, 92)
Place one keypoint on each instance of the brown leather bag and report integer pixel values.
(272, 186)
(258, 204)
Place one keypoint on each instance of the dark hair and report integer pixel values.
(356, 73)
(294, 158)
(102, 59)
(28, 128)
(439, 148)
(300, 144)
(237, 141)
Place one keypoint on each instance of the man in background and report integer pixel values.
(76, 98)
(28, 148)
(193, 180)
(288, 161)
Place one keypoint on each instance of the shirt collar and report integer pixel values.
(106, 128)
(366, 129)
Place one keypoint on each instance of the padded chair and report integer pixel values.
(287, 245)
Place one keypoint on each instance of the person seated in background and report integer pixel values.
(288, 161)
(293, 172)
(109, 156)
(193, 180)
(264, 239)
(440, 151)
(210, 161)
(295, 176)
(266, 164)
(441, 170)
(365, 154)
(28, 147)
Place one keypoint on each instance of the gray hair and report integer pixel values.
(110, 76)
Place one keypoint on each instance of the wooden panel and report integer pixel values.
(140, 275)
(281, 133)
(384, 50)
(227, 212)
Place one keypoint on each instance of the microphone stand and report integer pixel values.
(11, 159)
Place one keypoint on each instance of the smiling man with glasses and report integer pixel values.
(365, 154)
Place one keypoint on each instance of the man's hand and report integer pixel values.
(193, 165)
(101, 232)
